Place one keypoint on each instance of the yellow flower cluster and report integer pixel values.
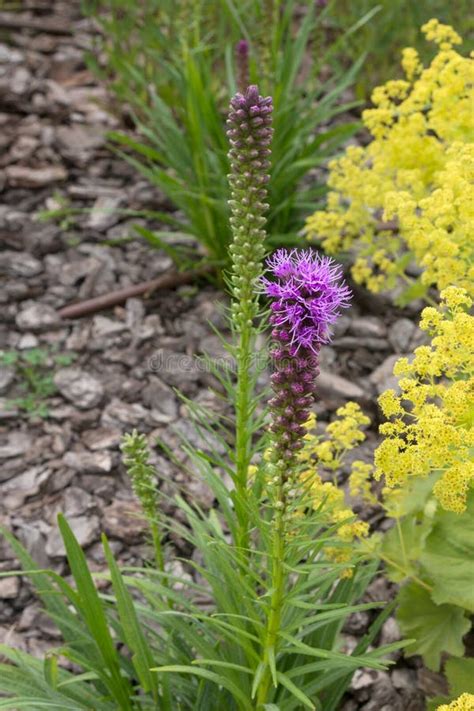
(465, 702)
(341, 435)
(409, 194)
(431, 429)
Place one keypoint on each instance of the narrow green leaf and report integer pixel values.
(211, 676)
(293, 689)
(90, 607)
(132, 631)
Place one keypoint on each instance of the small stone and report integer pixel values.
(85, 528)
(400, 334)
(135, 313)
(383, 377)
(161, 399)
(23, 177)
(19, 264)
(33, 539)
(104, 213)
(9, 588)
(21, 487)
(8, 410)
(334, 386)
(80, 388)
(36, 317)
(175, 369)
(28, 618)
(11, 638)
(341, 326)
(404, 678)
(76, 501)
(7, 375)
(17, 443)
(102, 438)
(104, 327)
(382, 695)
(390, 632)
(78, 139)
(118, 412)
(100, 485)
(89, 462)
(9, 55)
(198, 437)
(213, 347)
(124, 520)
(357, 623)
(72, 272)
(355, 342)
(432, 683)
(23, 149)
(368, 326)
(362, 679)
(28, 340)
(349, 705)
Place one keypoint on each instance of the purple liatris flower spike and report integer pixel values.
(242, 61)
(307, 294)
(250, 134)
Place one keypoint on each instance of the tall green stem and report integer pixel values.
(276, 603)
(243, 429)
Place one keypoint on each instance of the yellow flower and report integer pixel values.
(465, 702)
(432, 425)
(359, 481)
(390, 403)
(327, 451)
(417, 173)
(441, 34)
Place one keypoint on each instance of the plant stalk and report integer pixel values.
(276, 600)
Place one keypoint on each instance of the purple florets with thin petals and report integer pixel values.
(307, 296)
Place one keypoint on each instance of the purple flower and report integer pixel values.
(250, 133)
(308, 294)
(242, 61)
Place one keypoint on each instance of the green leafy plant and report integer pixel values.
(426, 462)
(173, 65)
(253, 621)
(435, 554)
(393, 26)
(33, 370)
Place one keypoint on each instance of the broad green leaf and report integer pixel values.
(448, 557)
(460, 675)
(403, 545)
(436, 628)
